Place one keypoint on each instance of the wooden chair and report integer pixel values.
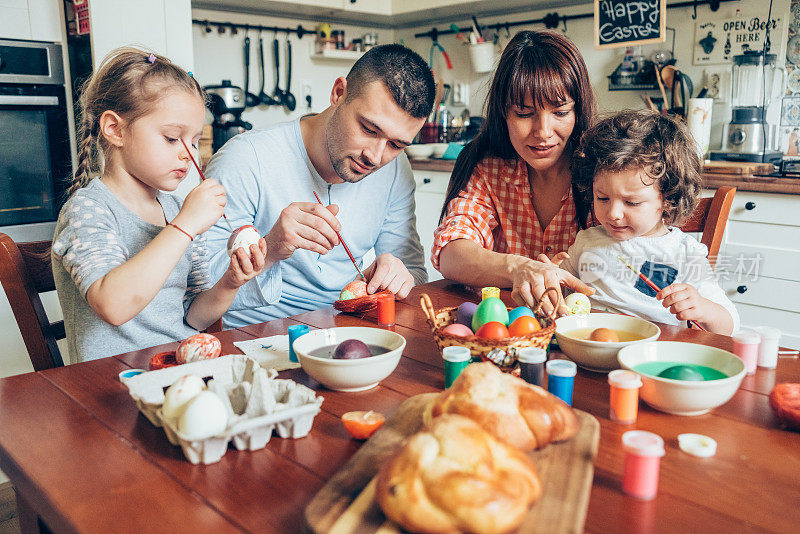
(25, 272)
(710, 218)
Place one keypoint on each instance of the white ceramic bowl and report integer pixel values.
(682, 397)
(419, 151)
(349, 375)
(439, 149)
(600, 355)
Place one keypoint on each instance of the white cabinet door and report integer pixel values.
(373, 7)
(429, 197)
(45, 20)
(14, 20)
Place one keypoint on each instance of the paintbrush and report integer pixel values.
(653, 286)
(344, 245)
(203, 177)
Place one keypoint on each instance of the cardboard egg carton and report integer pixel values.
(256, 401)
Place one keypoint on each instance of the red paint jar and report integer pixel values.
(643, 452)
(386, 310)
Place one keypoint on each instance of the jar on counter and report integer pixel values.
(338, 37)
(358, 45)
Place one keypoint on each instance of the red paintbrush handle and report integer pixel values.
(202, 177)
(657, 289)
(344, 244)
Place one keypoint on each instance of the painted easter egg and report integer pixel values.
(523, 326)
(518, 312)
(457, 329)
(353, 290)
(490, 309)
(243, 237)
(493, 330)
(198, 347)
(465, 312)
(351, 349)
(604, 334)
(577, 303)
(682, 372)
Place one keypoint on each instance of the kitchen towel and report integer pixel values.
(698, 120)
(270, 352)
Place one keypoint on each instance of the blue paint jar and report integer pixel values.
(560, 379)
(295, 331)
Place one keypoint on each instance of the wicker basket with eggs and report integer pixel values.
(492, 340)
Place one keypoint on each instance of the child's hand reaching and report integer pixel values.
(246, 265)
(202, 207)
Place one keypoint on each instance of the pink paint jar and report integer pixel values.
(745, 346)
(643, 452)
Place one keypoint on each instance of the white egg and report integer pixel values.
(577, 303)
(243, 236)
(205, 416)
(180, 393)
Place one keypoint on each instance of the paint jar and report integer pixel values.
(295, 331)
(487, 292)
(643, 452)
(560, 379)
(455, 360)
(768, 350)
(624, 396)
(745, 346)
(531, 365)
(127, 374)
(386, 310)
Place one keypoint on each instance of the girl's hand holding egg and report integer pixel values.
(248, 254)
(202, 207)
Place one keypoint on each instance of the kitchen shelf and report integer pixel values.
(337, 55)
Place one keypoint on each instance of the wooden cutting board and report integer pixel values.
(737, 167)
(346, 504)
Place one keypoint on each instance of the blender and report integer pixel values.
(748, 137)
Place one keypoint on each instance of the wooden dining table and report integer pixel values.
(83, 459)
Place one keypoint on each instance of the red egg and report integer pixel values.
(457, 329)
(493, 330)
(523, 326)
(198, 347)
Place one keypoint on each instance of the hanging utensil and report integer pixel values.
(277, 94)
(265, 99)
(250, 100)
(289, 101)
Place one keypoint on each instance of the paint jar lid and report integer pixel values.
(130, 373)
(624, 379)
(456, 354)
(697, 445)
(563, 368)
(490, 291)
(531, 355)
(768, 332)
(747, 337)
(298, 329)
(643, 443)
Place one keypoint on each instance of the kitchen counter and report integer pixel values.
(760, 184)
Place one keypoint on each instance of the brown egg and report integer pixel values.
(604, 334)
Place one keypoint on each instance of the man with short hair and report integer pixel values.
(348, 155)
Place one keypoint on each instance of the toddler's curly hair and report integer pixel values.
(659, 145)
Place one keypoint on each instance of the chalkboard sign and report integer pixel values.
(629, 22)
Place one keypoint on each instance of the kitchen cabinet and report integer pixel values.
(375, 7)
(758, 263)
(429, 198)
(36, 20)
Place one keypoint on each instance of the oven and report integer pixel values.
(35, 163)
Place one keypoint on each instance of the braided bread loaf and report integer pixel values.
(455, 477)
(513, 411)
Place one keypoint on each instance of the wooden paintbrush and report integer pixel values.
(203, 177)
(653, 286)
(344, 245)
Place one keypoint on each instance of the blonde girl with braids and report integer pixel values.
(129, 260)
